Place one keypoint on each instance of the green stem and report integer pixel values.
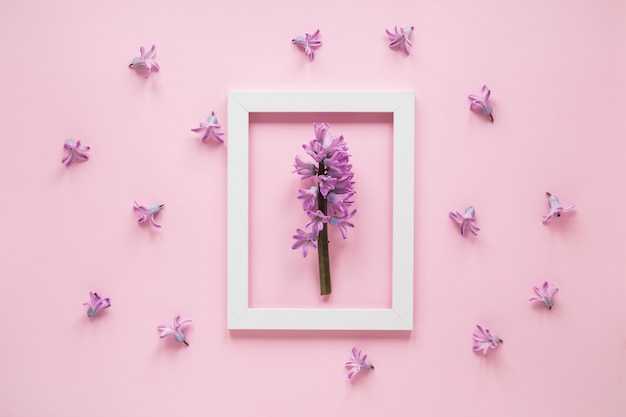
(323, 258)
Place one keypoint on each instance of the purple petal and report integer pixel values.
(153, 222)
(456, 216)
(81, 156)
(395, 42)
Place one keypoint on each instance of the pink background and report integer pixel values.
(556, 70)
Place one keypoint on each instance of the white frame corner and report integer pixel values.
(400, 316)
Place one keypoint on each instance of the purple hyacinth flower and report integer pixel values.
(357, 363)
(326, 184)
(345, 186)
(556, 208)
(148, 212)
(74, 150)
(309, 198)
(209, 129)
(306, 169)
(174, 330)
(545, 294)
(317, 220)
(305, 241)
(400, 38)
(481, 102)
(337, 164)
(339, 203)
(320, 131)
(96, 305)
(316, 150)
(308, 42)
(485, 340)
(342, 223)
(145, 61)
(466, 220)
(328, 198)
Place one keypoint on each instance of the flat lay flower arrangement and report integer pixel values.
(326, 197)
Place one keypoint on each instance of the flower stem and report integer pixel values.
(323, 258)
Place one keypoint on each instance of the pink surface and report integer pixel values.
(556, 71)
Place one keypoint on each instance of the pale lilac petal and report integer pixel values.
(305, 241)
(209, 129)
(166, 331)
(140, 209)
(396, 42)
(545, 294)
(153, 222)
(145, 61)
(96, 304)
(466, 220)
(357, 363)
(174, 330)
(184, 322)
(148, 213)
(484, 340)
(308, 42)
(73, 151)
(481, 102)
(81, 156)
(400, 38)
(556, 208)
(456, 216)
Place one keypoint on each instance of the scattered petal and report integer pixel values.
(308, 43)
(485, 340)
(357, 363)
(96, 304)
(73, 150)
(148, 213)
(400, 38)
(481, 102)
(174, 330)
(210, 129)
(545, 294)
(556, 208)
(145, 61)
(467, 220)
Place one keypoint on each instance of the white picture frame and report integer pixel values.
(400, 316)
